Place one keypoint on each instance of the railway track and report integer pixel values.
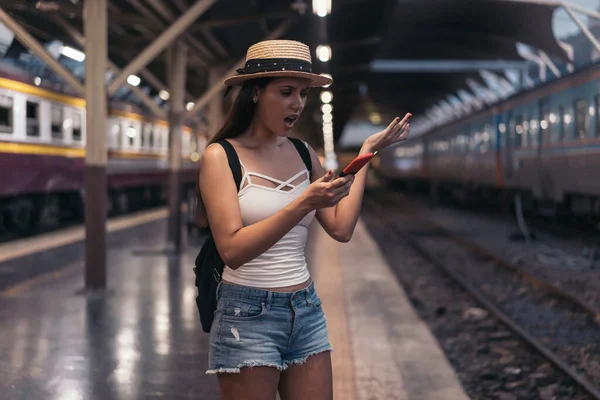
(477, 271)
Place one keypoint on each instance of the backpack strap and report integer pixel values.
(234, 162)
(304, 153)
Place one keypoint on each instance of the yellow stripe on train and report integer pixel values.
(72, 152)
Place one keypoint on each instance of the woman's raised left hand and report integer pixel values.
(396, 131)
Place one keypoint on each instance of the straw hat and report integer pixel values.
(277, 58)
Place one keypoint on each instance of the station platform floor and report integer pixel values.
(141, 338)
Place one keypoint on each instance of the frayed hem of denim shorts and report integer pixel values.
(250, 364)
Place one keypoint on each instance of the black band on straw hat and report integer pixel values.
(274, 65)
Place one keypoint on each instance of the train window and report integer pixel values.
(545, 125)
(116, 135)
(131, 134)
(193, 144)
(32, 115)
(533, 137)
(77, 126)
(519, 132)
(151, 137)
(598, 115)
(485, 142)
(462, 140)
(560, 132)
(565, 131)
(6, 114)
(581, 118)
(56, 121)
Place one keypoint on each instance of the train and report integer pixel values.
(42, 155)
(542, 144)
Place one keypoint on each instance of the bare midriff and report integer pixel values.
(292, 288)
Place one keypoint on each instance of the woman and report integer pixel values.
(269, 331)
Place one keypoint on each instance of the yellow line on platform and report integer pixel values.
(24, 247)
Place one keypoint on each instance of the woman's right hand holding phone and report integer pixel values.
(327, 191)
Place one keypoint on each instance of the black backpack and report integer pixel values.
(209, 265)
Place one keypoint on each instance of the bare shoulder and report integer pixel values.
(213, 154)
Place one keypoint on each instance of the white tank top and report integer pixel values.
(284, 264)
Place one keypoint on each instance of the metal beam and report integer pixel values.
(570, 54)
(160, 43)
(161, 25)
(583, 10)
(581, 26)
(29, 41)
(215, 88)
(80, 40)
(163, 10)
(549, 63)
(214, 42)
(227, 22)
(440, 66)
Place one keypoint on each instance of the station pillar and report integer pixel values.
(215, 105)
(177, 73)
(95, 29)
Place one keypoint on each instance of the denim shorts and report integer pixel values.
(257, 327)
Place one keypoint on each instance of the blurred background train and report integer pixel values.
(543, 144)
(42, 150)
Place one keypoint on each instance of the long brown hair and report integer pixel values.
(238, 120)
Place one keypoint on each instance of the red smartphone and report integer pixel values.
(356, 164)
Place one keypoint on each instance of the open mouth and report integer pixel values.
(290, 119)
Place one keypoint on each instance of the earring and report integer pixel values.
(255, 99)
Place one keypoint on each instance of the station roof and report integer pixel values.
(358, 31)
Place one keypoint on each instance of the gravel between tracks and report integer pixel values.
(570, 260)
(491, 361)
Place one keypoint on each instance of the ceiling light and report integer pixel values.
(163, 94)
(326, 108)
(72, 53)
(321, 8)
(326, 96)
(323, 52)
(133, 80)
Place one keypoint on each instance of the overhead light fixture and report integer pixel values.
(326, 96)
(163, 94)
(72, 53)
(328, 76)
(323, 52)
(133, 80)
(321, 8)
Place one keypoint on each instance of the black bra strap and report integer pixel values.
(234, 162)
(304, 153)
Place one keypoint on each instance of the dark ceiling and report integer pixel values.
(358, 31)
